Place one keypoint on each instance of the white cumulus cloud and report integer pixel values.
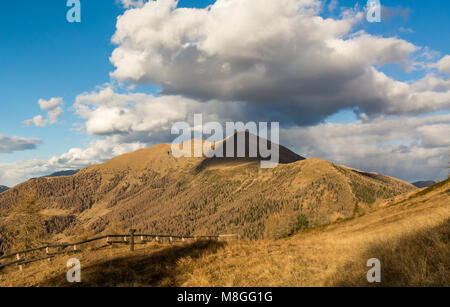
(54, 110)
(278, 55)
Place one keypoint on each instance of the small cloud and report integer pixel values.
(37, 121)
(332, 5)
(406, 30)
(132, 3)
(389, 13)
(15, 143)
(54, 110)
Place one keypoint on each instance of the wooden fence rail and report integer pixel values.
(129, 239)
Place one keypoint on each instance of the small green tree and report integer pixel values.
(302, 222)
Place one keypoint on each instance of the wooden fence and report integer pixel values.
(130, 239)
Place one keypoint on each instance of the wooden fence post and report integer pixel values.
(18, 258)
(132, 231)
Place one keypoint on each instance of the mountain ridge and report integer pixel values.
(155, 192)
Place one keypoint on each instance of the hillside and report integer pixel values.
(409, 234)
(3, 188)
(154, 192)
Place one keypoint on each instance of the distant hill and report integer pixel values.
(153, 191)
(3, 188)
(423, 184)
(63, 173)
(59, 174)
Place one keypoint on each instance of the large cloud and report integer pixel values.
(139, 117)
(277, 55)
(408, 148)
(14, 143)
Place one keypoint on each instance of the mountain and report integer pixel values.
(423, 184)
(3, 188)
(154, 192)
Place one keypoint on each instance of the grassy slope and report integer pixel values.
(410, 236)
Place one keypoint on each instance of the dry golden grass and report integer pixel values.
(410, 237)
(150, 265)
(322, 256)
(418, 259)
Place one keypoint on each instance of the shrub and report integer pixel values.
(302, 222)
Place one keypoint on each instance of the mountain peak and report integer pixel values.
(244, 147)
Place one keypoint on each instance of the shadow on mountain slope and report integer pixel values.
(251, 146)
(156, 269)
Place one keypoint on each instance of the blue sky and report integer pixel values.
(44, 56)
